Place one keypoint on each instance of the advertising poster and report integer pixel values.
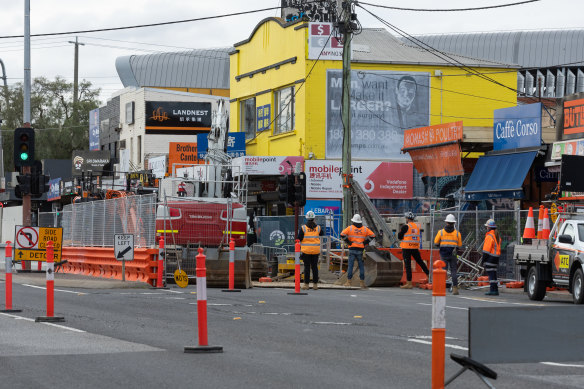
(276, 232)
(94, 129)
(182, 154)
(172, 117)
(517, 127)
(266, 166)
(330, 209)
(54, 189)
(380, 180)
(383, 105)
(322, 43)
(569, 147)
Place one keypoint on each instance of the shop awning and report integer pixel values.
(499, 176)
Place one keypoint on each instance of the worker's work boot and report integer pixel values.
(315, 286)
(362, 285)
(455, 290)
(305, 287)
(348, 283)
(407, 285)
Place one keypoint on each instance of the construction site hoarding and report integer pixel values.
(380, 180)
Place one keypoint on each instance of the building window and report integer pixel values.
(284, 110)
(248, 117)
(139, 148)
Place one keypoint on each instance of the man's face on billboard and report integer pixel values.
(406, 93)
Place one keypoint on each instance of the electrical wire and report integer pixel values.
(450, 9)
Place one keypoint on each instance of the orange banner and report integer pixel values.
(439, 161)
(181, 154)
(574, 116)
(433, 135)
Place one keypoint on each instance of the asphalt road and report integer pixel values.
(134, 338)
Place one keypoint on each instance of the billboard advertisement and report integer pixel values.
(235, 144)
(573, 116)
(94, 129)
(517, 127)
(173, 117)
(380, 180)
(54, 192)
(266, 166)
(181, 154)
(383, 105)
(89, 161)
(322, 43)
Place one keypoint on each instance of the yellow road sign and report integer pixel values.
(31, 243)
(181, 278)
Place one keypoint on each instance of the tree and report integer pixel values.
(52, 114)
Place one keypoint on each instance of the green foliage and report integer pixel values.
(60, 125)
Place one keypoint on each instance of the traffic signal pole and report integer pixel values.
(346, 114)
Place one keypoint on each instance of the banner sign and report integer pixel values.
(266, 166)
(158, 166)
(433, 135)
(331, 209)
(85, 161)
(569, 147)
(235, 144)
(322, 43)
(438, 161)
(517, 127)
(380, 180)
(181, 154)
(94, 129)
(54, 189)
(383, 105)
(173, 117)
(573, 116)
(263, 117)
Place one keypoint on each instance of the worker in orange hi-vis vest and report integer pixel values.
(309, 237)
(409, 235)
(357, 237)
(449, 240)
(491, 254)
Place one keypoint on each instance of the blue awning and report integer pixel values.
(499, 176)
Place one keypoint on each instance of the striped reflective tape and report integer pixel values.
(202, 288)
(438, 311)
(50, 271)
(235, 232)
(167, 231)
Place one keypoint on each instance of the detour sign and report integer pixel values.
(31, 243)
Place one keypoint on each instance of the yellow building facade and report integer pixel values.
(273, 84)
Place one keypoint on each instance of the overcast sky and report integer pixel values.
(52, 56)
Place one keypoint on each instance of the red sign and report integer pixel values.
(391, 180)
(573, 116)
(433, 135)
(439, 161)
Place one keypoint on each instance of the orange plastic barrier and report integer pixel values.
(514, 285)
(529, 231)
(101, 262)
(483, 278)
(418, 276)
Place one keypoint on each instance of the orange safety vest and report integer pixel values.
(411, 237)
(311, 242)
(357, 235)
(448, 239)
(491, 246)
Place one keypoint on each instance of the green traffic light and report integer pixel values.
(24, 156)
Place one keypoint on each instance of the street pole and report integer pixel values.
(346, 114)
(76, 80)
(6, 99)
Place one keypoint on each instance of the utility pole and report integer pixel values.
(345, 28)
(6, 99)
(76, 80)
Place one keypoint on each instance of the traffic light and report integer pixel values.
(300, 190)
(23, 147)
(39, 184)
(23, 187)
(286, 189)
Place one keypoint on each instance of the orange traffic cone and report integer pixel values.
(545, 234)
(529, 232)
(540, 222)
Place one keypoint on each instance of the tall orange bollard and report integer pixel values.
(8, 267)
(438, 324)
(540, 222)
(203, 346)
(232, 268)
(160, 266)
(50, 288)
(297, 270)
(546, 225)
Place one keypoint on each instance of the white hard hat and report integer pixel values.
(310, 215)
(450, 219)
(357, 219)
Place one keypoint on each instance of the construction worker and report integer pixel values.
(182, 189)
(409, 235)
(448, 239)
(491, 254)
(309, 237)
(357, 237)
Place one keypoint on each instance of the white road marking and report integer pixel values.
(423, 294)
(175, 298)
(430, 343)
(56, 290)
(217, 304)
(448, 306)
(174, 291)
(15, 317)
(560, 364)
(65, 327)
(332, 323)
(430, 337)
(488, 300)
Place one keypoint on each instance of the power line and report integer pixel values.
(450, 9)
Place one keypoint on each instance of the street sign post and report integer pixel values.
(124, 250)
(31, 243)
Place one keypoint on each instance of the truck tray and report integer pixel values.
(530, 253)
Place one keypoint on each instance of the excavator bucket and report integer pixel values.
(381, 269)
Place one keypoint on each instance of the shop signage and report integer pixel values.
(172, 117)
(433, 135)
(181, 154)
(543, 174)
(380, 180)
(383, 105)
(235, 144)
(94, 129)
(266, 166)
(263, 117)
(517, 127)
(158, 166)
(54, 189)
(319, 11)
(89, 161)
(569, 147)
(573, 116)
(322, 43)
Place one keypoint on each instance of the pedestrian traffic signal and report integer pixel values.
(300, 190)
(286, 189)
(23, 187)
(23, 147)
